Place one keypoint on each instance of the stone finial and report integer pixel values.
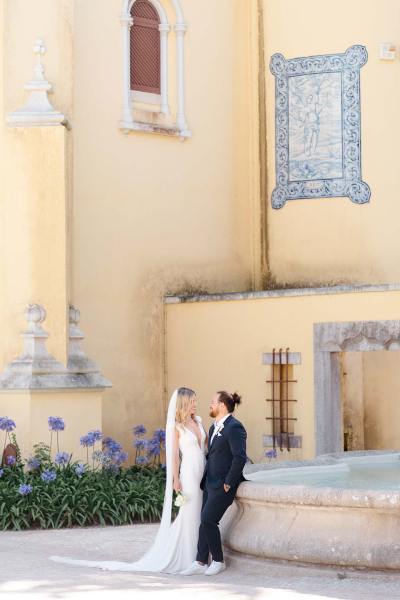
(74, 315)
(35, 358)
(35, 315)
(38, 111)
(78, 363)
(39, 49)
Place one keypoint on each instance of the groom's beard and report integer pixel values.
(213, 413)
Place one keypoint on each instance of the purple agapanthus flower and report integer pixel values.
(142, 460)
(113, 454)
(153, 448)
(139, 430)
(25, 489)
(271, 453)
(80, 469)
(33, 463)
(120, 457)
(101, 457)
(62, 458)
(48, 476)
(86, 440)
(96, 434)
(159, 435)
(7, 424)
(56, 423)
(11, 460)
(112, 445)
(91, 438)
(140, 444)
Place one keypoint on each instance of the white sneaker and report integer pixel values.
(195, 568)
(215, 568)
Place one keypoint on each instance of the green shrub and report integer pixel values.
(99, 497)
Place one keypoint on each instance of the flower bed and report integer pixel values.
(54, 492)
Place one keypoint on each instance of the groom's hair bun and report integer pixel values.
(236, 398)
(230, 400)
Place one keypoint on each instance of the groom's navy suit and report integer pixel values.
(225, 461)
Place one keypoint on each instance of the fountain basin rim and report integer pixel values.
(262, 492)
(264, 486)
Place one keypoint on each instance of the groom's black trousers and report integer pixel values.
(215, 503)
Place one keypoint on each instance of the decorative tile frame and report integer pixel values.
(347, 67)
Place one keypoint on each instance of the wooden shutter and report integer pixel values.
(145, 48)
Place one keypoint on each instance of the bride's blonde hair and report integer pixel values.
(183, 402)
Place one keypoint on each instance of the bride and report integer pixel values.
(174, 549)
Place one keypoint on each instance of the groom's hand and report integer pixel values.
(226, 487)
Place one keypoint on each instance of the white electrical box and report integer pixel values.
(387, 51)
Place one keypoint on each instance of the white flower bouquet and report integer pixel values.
(180, 500)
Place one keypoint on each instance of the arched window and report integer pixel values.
(146, 68)
(145, 63)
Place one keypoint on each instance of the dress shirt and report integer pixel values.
(217, 426)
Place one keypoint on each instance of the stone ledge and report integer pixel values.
(169, 131)
(57, 381)
(283, 293)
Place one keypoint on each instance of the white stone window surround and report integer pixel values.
(157, 103)
(147, 98)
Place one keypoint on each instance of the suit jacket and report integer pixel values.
(226, 455)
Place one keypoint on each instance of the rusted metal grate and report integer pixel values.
(145, 48)
(280, 401)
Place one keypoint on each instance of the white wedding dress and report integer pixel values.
(174, 549)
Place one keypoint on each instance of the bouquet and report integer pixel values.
(180, 500)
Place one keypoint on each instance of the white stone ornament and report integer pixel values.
(79, 364)
(38, 111)
(37, 369)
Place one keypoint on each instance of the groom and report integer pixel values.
(222, 476)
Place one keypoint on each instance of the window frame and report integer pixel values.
(158, 104)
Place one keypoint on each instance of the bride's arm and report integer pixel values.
(176, 462)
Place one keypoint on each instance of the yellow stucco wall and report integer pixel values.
(152, 214)
(80, 409)
(149, 214)
(34, 249)
(34, 245)
(325, 240)
(218, 345)
(370, 395)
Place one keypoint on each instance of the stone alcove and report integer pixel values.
(330, 340)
